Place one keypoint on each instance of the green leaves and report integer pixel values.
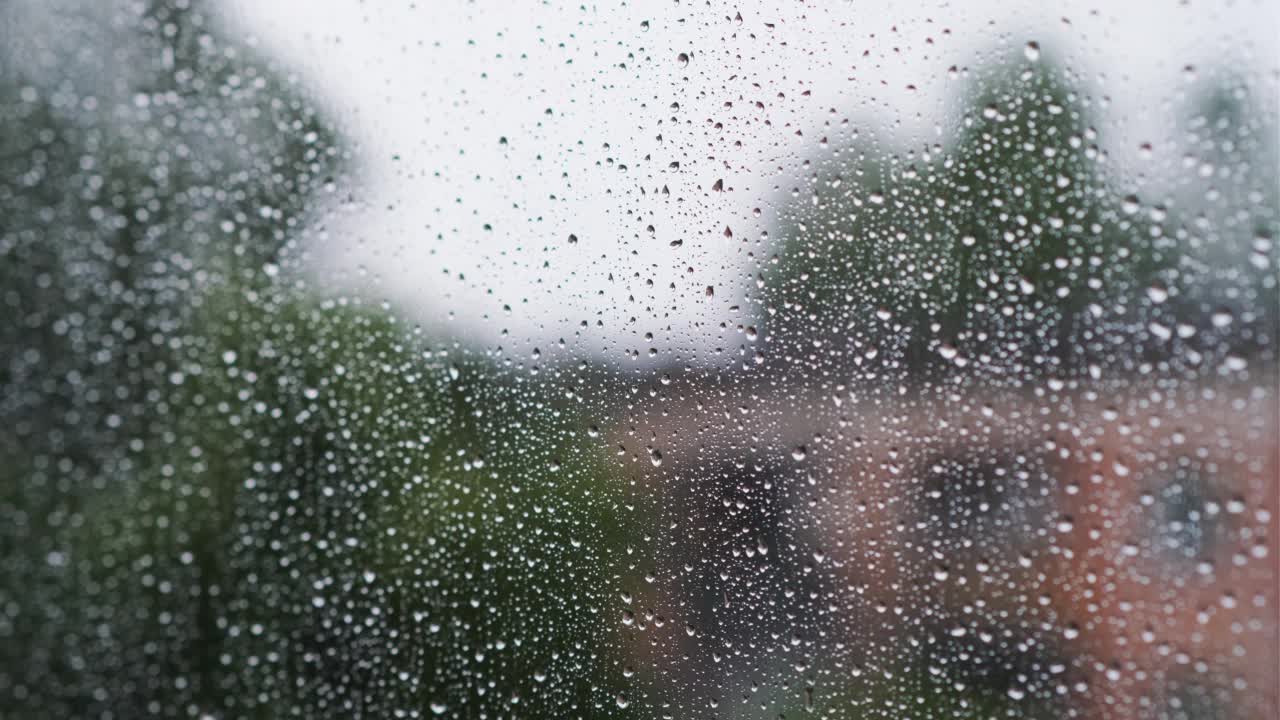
(991, 246)
(1013, 250)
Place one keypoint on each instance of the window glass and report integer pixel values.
(678, 360)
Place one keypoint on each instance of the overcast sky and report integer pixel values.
(489, 133)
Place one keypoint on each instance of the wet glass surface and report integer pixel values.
(685, 360)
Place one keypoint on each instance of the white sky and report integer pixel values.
(427, 89)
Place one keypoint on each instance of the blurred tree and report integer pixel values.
(1226, 214)
(993, 254)
(145, 161)
(224, 496)
(342, 521)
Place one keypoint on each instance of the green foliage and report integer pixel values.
(119, 207)
(349, 523)
(1011, 252)
(223, 497)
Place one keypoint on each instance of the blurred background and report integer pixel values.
(860, 360)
